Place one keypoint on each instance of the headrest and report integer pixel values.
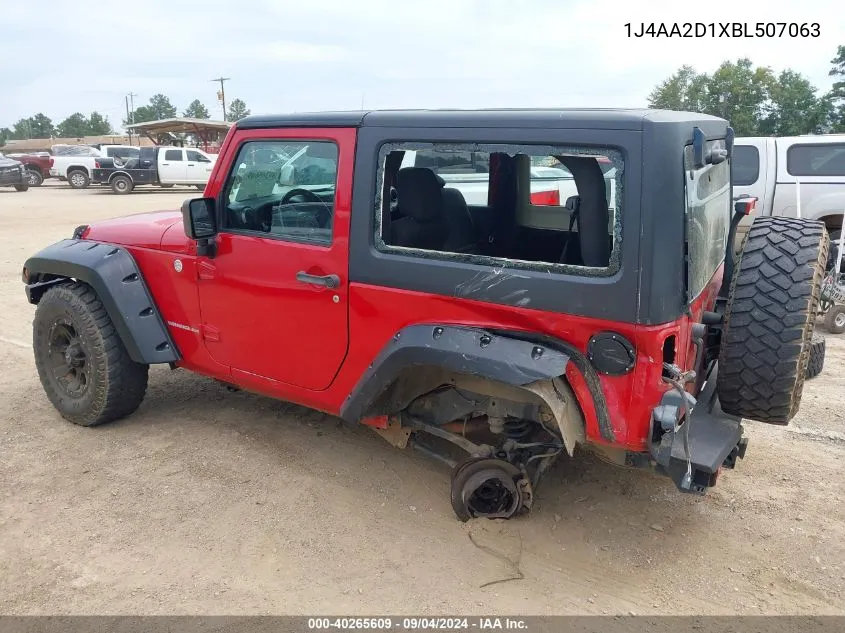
(419, 193)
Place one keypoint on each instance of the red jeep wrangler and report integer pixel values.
(491, 287)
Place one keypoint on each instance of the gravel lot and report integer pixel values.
(206, 501)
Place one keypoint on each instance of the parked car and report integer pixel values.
(37, 165)
(163, 166)
(495, 346)
(13, 174)
(75, 163)
(772, 170)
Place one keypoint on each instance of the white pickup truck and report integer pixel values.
(76, 163)
(161, 166)
(792, 176)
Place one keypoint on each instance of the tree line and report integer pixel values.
(77, 124)
(756, 100)
(160, 107)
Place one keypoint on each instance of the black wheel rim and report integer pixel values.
(68, 359)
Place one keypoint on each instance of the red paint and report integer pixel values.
(142, 230)
(243, 317)
(376, 422)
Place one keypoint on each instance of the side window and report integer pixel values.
(502, 204)
(745, 165)
(826, 159)
(283, 189)
(173, 154)
(196, 157)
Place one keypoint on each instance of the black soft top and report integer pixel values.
(589, 118)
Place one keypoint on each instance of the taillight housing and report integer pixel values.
(96, 164)
(51, 161)
(546, 198)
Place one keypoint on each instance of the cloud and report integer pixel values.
(330, 54)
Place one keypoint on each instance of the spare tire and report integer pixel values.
(770, 317)
(815, 364)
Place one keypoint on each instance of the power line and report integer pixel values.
(222, 94)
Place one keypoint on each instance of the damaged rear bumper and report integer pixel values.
(693, 452)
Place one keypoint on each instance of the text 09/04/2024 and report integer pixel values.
(723, 29)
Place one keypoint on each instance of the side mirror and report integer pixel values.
(198, 218)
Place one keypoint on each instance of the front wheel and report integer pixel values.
(34, 178)
(78, 179)
(21, 187)
(82, 363)
(121, 184)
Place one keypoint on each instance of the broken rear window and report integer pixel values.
(534, 206)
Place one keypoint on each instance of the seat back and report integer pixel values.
(422, 223)
(462, 237)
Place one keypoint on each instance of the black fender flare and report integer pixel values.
(498, 355)
(114, 275)
(120, 172)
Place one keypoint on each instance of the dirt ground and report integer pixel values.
(207, 501)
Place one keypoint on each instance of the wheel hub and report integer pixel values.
(489, 488)
(839, 321)
(69, 366)
(491, 493)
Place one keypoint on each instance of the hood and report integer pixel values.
(8, 162)
(143, 230)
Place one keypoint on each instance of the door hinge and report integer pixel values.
(210, 333)
(206, 270)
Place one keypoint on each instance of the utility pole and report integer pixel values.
(128, 121)
(222, 94)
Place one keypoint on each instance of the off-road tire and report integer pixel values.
(770, 317)
(117, 384)
(78, 179)
(815, 364)
(21, 188)
(834, 319)
(122, 185)
(34, 178)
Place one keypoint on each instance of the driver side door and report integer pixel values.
(274, 295)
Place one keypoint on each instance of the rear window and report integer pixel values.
(816, 160)
(173, 154)
(123, 152)
(745, 165)
(708, 211)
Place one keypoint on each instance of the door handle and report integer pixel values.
(328, 281)
(190, 164)
(165, 164)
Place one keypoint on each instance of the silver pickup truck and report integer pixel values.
(792, 176)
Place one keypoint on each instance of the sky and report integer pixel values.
(294, 56)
